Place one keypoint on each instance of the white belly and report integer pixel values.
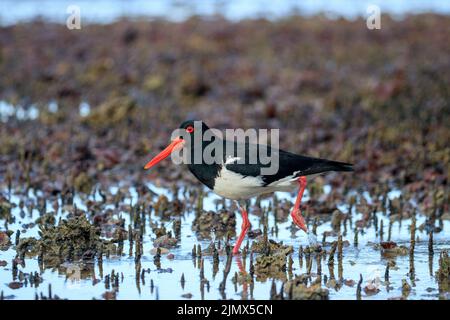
(234, 186)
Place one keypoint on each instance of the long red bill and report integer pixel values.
(175, 145)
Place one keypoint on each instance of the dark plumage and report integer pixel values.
(289, 163)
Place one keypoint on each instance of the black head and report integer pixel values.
(190, 129)
(197, 136)
(196, 130)
(191, 126)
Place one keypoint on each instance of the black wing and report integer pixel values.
(289, 164)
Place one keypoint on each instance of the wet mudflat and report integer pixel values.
(177, 270)
(80, 219)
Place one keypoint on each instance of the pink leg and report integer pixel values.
(296, 213)
(244, 229)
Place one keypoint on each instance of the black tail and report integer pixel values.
(324, 165)
(338, 166)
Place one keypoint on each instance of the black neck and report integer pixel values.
(203, 171)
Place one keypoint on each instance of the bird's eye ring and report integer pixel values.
(190, 129)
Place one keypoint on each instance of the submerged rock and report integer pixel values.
(5, 208)
(337, 217)
(371, 289)
(164, 207)
(297, 289)
(212, 250)
(260, 245)
(272, 265)
(15, 285)
(27, 246)
(252, 234)
(159, 250)
(406, 288)
(391, 249)
(4, 239)
(222, 222)
(47, 219)
(74, 238)
(166, 241)
(443, 273)
(109, 295)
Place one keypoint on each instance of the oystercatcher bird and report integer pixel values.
(232, 178)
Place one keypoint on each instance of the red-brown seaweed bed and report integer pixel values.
(82, 111)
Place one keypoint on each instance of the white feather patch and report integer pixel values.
(231, 159)
(235, 186)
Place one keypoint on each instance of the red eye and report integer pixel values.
(190, 129)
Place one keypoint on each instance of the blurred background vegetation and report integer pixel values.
(91, 105)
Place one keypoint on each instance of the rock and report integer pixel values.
(71, 239)
(252, 234)
(397, 298)
(222, 222)
(272, 265)
(27, 246)
(406, 288)
(443, 273)
(109, 295)
(336, 219)
(153, 251)
(388, 245)
(349, 282)
(260, 246)
(297, 289)
(165, 241)
(371, 289)
(15, 285)
(5, 208)
(46, 219)
(392, 249)
(4, 239)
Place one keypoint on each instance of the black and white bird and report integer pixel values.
(240, 179)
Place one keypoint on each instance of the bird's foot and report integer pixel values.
(298, 219)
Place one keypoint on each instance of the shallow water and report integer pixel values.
(363, 259)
